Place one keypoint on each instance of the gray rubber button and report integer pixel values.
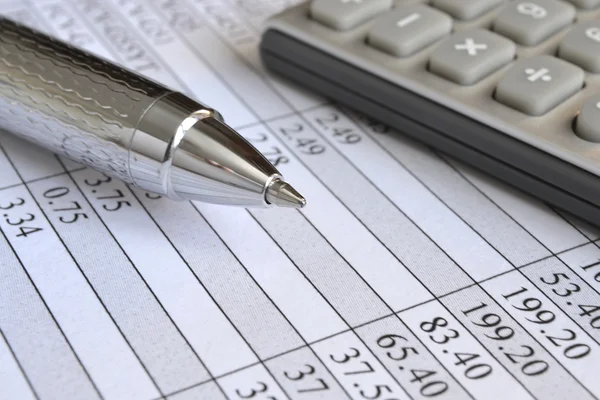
(587, 125)
(585, 4)
(406, 30)
(347, 14)
(531, 22)
(581, 46)
(467, 57)
(466, 9)
(536, 85)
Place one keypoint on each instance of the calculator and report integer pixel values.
(509, 87)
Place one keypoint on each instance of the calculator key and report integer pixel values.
(407, 30)
(587, 125)
(581, 46)
(466, 57)
(531, 22)
(536, 85)
(466, 9)
(585, 4)
(347, 14)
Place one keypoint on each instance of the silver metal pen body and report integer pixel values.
(126, 126)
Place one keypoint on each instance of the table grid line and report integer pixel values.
(31, 281)
(283, 99)
(350, 328)
(552, 254)
(489, 244)
(40, 179)
(520, 269)
(299, 114)
(436, 298)
(257, 116)
(474, 282)
(21, 369)
(177, 78)
(260, 361)
(67, 172)
(264, 121)
(361, 325)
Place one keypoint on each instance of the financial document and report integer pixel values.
(407, 276)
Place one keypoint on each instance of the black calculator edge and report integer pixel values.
(562, 185)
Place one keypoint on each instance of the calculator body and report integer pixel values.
(540, 154)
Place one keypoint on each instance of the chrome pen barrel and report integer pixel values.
(69, 101)
(128, 127)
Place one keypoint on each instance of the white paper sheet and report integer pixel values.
(408, 276)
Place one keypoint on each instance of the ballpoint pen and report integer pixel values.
(128, 127)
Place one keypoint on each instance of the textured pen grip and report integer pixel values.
(69, 101)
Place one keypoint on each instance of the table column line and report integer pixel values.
(84, 369)
(266, 359)
(14, 356)
(185, 41)
(553, 255)
(351, 328)
(307, 344)
(502, 255)
(99, 37)
(260, 361)
(297, 113)
(560, 213)
(520, 269)
(309, 170)
(259, 121)
(352, 165)
(282, 116)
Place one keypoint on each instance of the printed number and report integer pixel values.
(377, 394)
(590, 266)
(262, 137)
(275, 157)
(588, 311)
(531, 368)
(342, 135)
(58, 192)
(19, 202)
(373, 125)
(304, 145)
(575, 351)
(346, 136)
(20, 221)
(118, 204)
(532, 304)
(24, 231)
(436, 323)
(300, 375)
(27, 231)
(98, 182)
(389, 341)
(477, 371)
(153, 196)
(428, 389)
(555, 280)
(250, 393)
(491, 320)
(347, 357)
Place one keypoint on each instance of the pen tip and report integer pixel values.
(282, 194)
